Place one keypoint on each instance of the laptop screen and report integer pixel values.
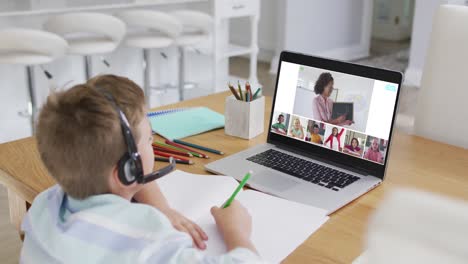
(345, 113)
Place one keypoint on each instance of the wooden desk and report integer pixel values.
(414, 162)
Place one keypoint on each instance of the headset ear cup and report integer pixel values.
(126, 170)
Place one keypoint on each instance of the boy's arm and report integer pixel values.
(151, 194)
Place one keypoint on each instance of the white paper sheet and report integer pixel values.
(279, 226)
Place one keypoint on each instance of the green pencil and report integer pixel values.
(236, 191)
(256, 93)
(240, 91)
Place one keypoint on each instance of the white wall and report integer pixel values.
(330, 28)
(317, 26)
(334, 28)
(422, 25)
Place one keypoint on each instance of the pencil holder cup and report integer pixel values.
(244, 119)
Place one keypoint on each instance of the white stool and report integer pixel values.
(88, 34)
(149, 30)
(30, 47)
(197, 27)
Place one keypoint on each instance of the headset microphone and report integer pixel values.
(130, 166)
(159, 173)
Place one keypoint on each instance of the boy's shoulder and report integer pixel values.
(55, 204)
(56, 225)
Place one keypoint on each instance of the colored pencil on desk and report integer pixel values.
(168, 150)
(233, 91)
(201, 155)
(198, 147)
(164, 145)
(168, 155)
(176, 160)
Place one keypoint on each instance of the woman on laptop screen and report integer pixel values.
(322, 105)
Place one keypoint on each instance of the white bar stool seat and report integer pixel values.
(149, 30)
(90, 44)
(88, 34)
(149, 42)
(30, 47)
(197, 27)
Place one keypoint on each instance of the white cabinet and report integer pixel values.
(224, 11)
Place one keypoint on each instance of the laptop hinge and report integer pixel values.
(312, 156)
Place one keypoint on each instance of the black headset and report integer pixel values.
(130, 167)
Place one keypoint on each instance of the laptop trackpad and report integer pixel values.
(272, 180)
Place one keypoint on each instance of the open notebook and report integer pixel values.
(278, 226)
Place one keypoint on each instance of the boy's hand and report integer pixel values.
(233, 220)
(184, 224)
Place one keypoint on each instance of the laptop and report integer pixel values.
(344, 158)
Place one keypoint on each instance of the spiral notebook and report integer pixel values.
(184, 122)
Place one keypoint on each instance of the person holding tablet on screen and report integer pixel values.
(322, 105)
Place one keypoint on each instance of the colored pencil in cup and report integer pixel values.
(249, 89)
(256, 93)
(233, 91)
(176, 160)
(198, 147)
(240, 91)
(201, 155)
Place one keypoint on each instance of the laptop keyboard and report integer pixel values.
(304, 169)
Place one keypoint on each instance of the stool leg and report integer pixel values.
(181, 73)
(147, 76)
(88, 67)
(32, 95)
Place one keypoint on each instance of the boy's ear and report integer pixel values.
(115, 184)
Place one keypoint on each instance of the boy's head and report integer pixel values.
(316, 129)
(80, 139)
(281, 118)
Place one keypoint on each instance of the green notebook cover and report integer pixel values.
(193, 121)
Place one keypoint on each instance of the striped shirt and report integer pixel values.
(108, 229)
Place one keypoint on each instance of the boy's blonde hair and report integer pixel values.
(79, 135)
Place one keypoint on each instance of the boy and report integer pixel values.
(89, 217)
(280, 127)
